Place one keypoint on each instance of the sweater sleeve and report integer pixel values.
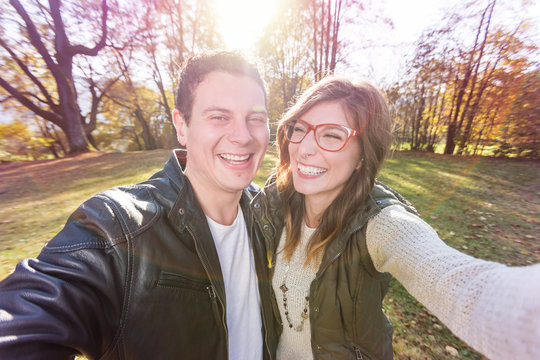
(492, 307)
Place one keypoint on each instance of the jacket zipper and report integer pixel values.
(263, 315)
(213, 296)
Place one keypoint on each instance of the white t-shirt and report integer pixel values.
(243, 304)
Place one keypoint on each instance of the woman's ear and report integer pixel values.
(180, 126)
(359, 165)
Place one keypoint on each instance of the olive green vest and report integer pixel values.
(345, 306)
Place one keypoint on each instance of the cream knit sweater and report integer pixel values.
(492, 307)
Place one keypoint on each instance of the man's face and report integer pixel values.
(227, 135)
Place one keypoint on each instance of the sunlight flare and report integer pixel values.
(242, 22)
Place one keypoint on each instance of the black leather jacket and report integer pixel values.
(134, 274)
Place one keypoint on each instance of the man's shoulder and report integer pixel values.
(108, 218)
(133, 207)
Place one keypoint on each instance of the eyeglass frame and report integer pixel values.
(350, 133)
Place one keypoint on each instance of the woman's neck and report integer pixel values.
(314, 210)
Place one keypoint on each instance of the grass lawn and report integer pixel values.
(485, 207)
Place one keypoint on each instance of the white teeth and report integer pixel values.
(310, 170)
(235, 158)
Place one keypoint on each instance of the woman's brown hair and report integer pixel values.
(367, 112)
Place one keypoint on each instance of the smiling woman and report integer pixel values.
(241, 22)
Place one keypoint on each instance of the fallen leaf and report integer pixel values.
(452, 351)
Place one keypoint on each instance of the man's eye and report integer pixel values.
(258, 119)
(218, 118)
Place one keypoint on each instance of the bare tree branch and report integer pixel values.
(28, 73)
(35, 38)
(50, 116)
(83, 50)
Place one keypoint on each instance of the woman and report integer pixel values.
(338, 233)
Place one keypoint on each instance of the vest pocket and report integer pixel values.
(362, 354)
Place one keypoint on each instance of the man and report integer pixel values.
(171, 268)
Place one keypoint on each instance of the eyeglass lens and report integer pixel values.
(329, 137)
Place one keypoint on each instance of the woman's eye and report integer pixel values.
(333, 136)
(298, 129)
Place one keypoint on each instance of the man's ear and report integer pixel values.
(180, 126)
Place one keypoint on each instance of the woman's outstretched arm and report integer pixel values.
(493, 307)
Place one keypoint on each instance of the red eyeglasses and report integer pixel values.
(329, 137)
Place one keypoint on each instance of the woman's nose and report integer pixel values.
(308, 145)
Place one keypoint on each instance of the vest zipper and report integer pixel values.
(338, 254)
(213, 296)
(358, 353)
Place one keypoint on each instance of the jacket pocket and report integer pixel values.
(173, 280)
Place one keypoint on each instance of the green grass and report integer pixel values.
(485, 207)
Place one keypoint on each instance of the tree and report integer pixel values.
(469, 77)
(16, 138)
(158, 35)
(465, 91)
(302, 44)
(520, 131)
(45, 31)
(286, 57)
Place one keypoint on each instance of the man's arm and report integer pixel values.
(68, 301)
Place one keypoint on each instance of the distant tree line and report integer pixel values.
(101, 74)
(481, 97)
(115, 93)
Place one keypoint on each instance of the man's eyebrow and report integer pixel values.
(259, 110)
(216, 108)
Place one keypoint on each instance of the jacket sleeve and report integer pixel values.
(68, 301)
(493, 307)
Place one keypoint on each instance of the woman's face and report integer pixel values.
(319, 174)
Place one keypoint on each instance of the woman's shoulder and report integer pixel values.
(383, 196)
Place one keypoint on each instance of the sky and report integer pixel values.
(242, 21)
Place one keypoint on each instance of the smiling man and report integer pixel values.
(171, 268)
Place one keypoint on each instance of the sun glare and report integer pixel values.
(241, 22)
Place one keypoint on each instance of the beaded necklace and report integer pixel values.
(303, 315)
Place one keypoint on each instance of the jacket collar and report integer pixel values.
(186, 205)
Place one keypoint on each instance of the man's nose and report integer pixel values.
(240, 132)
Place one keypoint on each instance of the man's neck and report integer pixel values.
(220, 206)
(222, 209)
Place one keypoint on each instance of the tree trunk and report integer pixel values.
(149, 141)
